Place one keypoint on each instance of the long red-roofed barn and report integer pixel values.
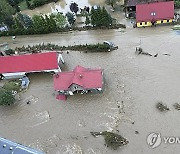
(152, 13)
(81, 80)
(19, 65)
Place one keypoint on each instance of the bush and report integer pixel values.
(6, 97)
(12, 86)
(51, 47)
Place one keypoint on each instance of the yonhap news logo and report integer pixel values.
(155, 139)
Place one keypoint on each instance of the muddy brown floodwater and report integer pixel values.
(140, 81)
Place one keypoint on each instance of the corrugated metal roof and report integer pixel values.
(154, 11)
(86, 78)
(9, 147)
(28, 63)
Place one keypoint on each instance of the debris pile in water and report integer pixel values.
(161, 107)
(112, 140)
(177, 106)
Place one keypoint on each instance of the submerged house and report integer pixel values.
(9, 147)
(82, 80)
(18, 65)
(152, 13)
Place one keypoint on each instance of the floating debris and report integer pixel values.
(112, 140)
(161, 107)
(139, 51)
(156, 55)
(177, 106)
(136, 132)
(176, 27)
(166, 54)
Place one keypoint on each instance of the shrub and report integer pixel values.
(71, 19)
(6, 97)
(12, 86)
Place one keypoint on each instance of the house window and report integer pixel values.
(153, 13)
(161, 21)
(167, 20)
(140, 23)
(145, 23)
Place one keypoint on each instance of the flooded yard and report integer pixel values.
(62, 6)
(136, 83)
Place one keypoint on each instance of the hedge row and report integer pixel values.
(51, 47)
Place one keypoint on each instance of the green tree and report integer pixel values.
(93, 16)
(6, 97)
(28, 4)
(74, 7)
(100, 17)
(177, 3)
(6, 12)
(27, 20)
(87, 22)
(60, 20)
(106, 19)
(8, 20)
(18, 24)
(52, 23)
(71, 19)
(39, 24)
(111, 2)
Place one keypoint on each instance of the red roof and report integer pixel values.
(86, 78)
(28, 63)
(154, 11)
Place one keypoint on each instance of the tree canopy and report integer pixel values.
(100, 17)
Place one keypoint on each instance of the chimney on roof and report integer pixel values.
(80, 76)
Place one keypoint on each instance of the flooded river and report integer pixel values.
(140, 81)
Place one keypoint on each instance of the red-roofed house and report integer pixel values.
(81, 80)
(154, 13)
(19, 65)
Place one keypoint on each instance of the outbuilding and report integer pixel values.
(17, 66)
